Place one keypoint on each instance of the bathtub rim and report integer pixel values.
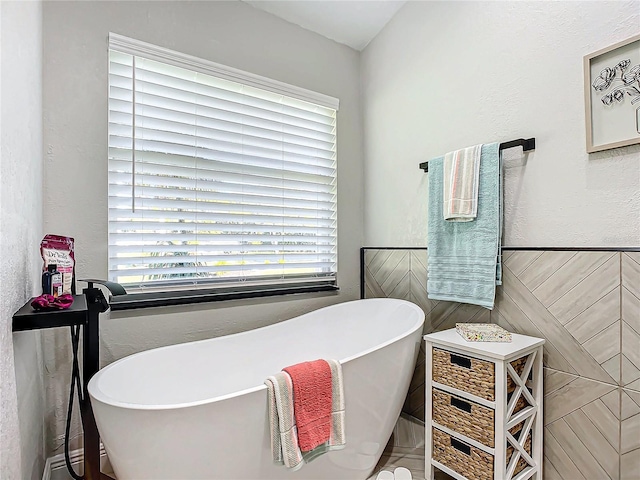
(95, 393)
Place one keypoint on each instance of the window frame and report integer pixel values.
(240, 289)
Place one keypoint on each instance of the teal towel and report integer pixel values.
(464, 260)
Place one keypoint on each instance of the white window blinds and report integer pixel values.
(216, 177)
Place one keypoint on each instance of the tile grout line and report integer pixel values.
(560, 371)
(611, 384)
(620, 381)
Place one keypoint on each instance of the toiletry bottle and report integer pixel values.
(46, 279)
(56, 282)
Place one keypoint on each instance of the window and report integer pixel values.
(217, 178)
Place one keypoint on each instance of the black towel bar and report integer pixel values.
(526, 144)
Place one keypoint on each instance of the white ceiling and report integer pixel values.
(353, 23)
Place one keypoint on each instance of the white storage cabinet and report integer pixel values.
(484, 407)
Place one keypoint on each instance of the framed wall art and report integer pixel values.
(612, 95)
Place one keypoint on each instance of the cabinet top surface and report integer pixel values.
(498, 350)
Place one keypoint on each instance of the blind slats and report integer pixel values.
(142, 239)
(168, 119)
(177, 249)
(120, 102)
(219, 163)
(212, 180)
(220, 203)
(213, 150)
(216, 227)
(206, 171)
(147, 207)
(183, 103)
(211, 183)
(219, 160)
(226, 259)
(145, 217)
(202, 173)
(195, 134)
(204, 196)
(163, 271)
(181, 82)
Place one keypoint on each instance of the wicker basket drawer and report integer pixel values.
(464, 373)
(468, 418)
(465, 417)
(470, 374)
(467, 460)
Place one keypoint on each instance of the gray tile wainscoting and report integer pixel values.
(576, 309)
(586, 304)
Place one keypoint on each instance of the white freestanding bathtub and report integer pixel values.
(199, 410)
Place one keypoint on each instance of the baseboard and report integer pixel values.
(55, 468)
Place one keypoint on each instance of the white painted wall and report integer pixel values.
(75, 138)
(445, 75)
(21, 383)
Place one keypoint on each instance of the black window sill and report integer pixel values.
(132, 301)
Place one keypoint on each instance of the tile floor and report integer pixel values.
(406, 449)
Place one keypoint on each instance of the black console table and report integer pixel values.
(84, 311)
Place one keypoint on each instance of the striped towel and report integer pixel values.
(338, 438)
(284, 435)
(461, 178)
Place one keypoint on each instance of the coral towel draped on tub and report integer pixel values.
(306, 411)
(311, 402)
